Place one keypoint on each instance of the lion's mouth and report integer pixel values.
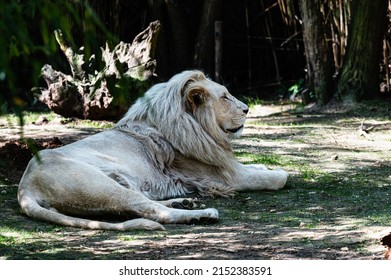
(234, 130)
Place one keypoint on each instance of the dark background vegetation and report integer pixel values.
(266, 52)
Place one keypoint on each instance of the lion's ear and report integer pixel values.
(196, 97)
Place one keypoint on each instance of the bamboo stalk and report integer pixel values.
(218, 50)
(385, 62)
(270, 41)
(248, 47)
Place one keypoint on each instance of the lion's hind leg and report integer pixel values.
(35, 210)
(82, 196)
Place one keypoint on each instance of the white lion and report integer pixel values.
(173, 142)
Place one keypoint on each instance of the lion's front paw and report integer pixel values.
(282, 172)
(209, 215)
(212, 213)
(283, 177)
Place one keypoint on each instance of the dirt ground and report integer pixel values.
(336, 204)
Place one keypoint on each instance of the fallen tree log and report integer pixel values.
(101, 94)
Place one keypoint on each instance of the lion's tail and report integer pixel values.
(34, 210)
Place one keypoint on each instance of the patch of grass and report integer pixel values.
(267, 159)
(309, 173)
(252, 101)
(28, 118)
(127, 238)
(91, 124)
(13, 120)
(6, 240)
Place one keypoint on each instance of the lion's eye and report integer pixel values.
(225, 97)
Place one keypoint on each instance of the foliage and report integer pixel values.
(296, 89)
(252, 101)
(27, 40)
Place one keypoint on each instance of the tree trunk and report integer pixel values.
(360, 73)
(319, 69)
(105, 94)
(204, 46)
(157, 10)
(179, 33)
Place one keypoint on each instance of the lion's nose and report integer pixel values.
(245, 111)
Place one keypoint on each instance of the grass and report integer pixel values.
(28, 117)
(250, 158)
(306, 204)
(328, 210)
(12, 120)
(314, 194)
(91, 124)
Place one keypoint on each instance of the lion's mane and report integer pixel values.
(171, 125)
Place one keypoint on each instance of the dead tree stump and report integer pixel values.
(92, 94)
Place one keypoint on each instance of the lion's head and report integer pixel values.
(207, 101)
(197, 115)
